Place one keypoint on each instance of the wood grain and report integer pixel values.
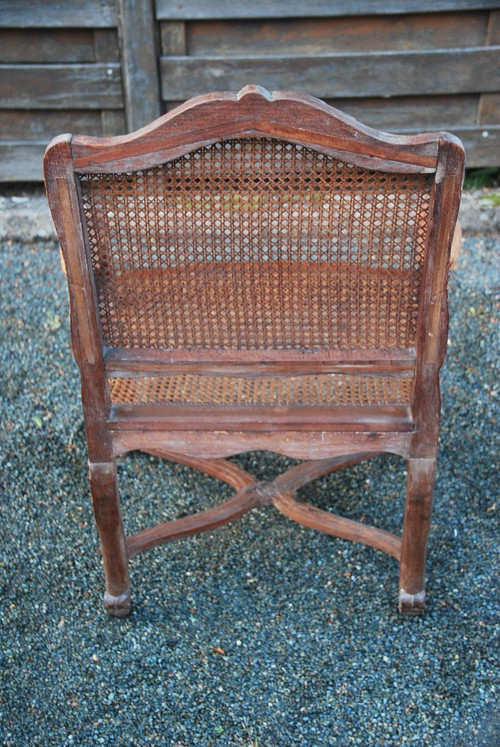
(450, 71)
(207, 9)
(54, 14)
(330, 35)
(44, 46)
(139, 53)
(91, 86)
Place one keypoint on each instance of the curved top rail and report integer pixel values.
(255, 112)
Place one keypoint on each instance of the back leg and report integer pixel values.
(416, 526)
(103, 486)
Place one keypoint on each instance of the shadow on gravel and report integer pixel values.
(261, 633)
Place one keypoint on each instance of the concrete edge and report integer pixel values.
(27, 218)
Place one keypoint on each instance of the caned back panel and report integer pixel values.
(257, 244)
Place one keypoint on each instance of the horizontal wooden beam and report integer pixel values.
(367, 418)
(46, 46)
(158, 360)
(184, 10)
(297, 444)
(21, 162)
(90, 86)
(384, 74)
(301, 36)
(21, 125)
(53, 13)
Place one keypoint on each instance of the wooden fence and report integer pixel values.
(105, 67)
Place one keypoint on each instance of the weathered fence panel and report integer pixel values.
(105, 67)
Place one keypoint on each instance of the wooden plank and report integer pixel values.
(338, 75)
(298, 445)
(22, 125)
(21, 162)
(92, 86)
(44, 125)
(53, 13)
(489, 104)
(493, 36)
(266, 418)
(43, 46)
(329, 35)
(185, 10)
(412, 113)
(141, 84)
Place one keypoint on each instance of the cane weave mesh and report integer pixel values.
(257, 244)
(322, 389)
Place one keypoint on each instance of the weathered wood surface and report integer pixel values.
(413, 113)
(227, 115)
(431, 72)
(482, 144)
(361, 56)
(53, 13)
(208, 9)
(141, 89)
(373, 419)
(489, 108)
(293, 444)
(52, 46)
(21, 161)
(91, 86)
(43, 125)
(309, 36)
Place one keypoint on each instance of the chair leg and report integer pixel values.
(415, 533)
(103, 486)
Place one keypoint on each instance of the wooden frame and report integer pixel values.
(327, 438)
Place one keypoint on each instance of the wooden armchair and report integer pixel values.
(258, 271)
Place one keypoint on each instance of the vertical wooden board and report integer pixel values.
(173, 38)
(489, 110)
(113, 122)
(493, 36)
(139, 54)
(329, 35)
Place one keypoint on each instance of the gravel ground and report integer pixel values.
(262, 633)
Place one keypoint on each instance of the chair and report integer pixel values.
(258, 271)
